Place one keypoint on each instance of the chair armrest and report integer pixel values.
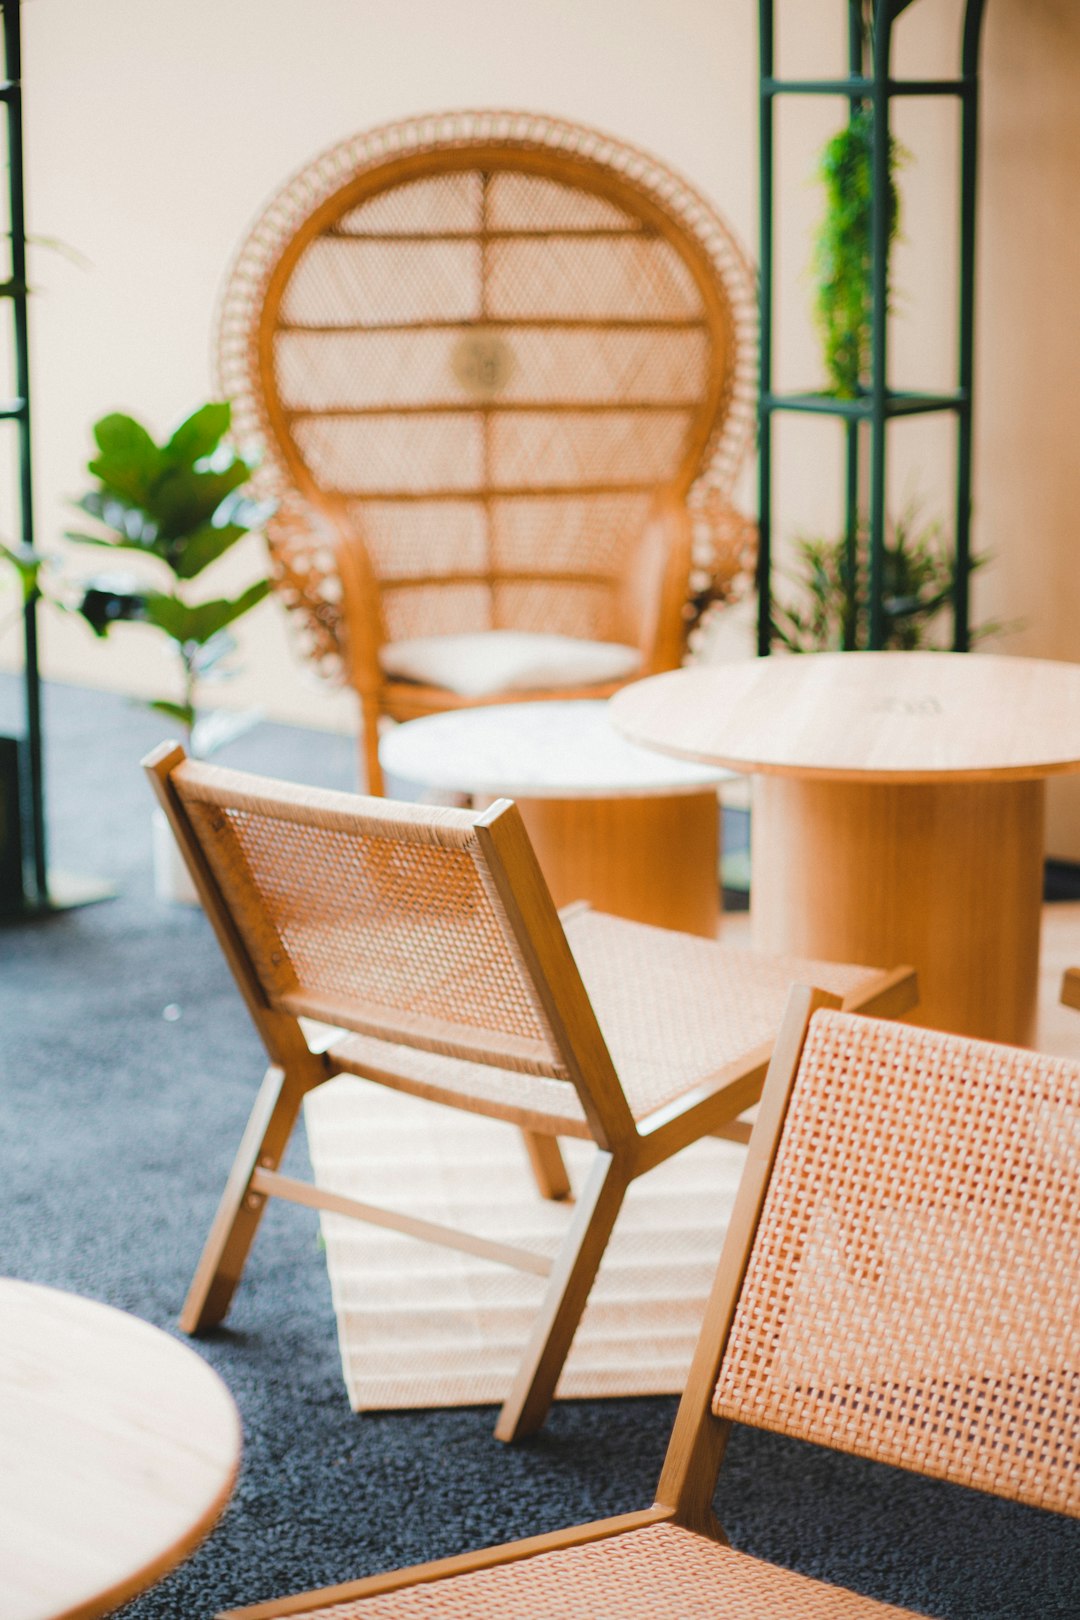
(362, 631)
(653, 589)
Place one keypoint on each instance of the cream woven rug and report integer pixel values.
(425, 1326)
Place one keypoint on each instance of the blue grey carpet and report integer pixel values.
(118, 1128)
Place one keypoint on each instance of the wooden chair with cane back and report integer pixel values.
(900, 1280)
(428, 939)
(502, 371)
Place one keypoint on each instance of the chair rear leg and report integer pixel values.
(369, 748)
(237, 1220)
(572, 1278)
(548, 1168)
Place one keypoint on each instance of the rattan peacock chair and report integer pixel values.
(501, 369)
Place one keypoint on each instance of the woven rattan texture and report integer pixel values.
(658, 1573)
(463, 342)
(675, 1009)
(382, 923)
(914, 1291)
(525, 1099)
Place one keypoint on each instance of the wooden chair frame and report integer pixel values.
(699, 1439)
(1070, 988)
(325, 565)
(626, 1147)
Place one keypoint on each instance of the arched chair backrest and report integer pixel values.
(489, 340)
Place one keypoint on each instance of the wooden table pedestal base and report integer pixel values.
(653, 859)
(945, 876)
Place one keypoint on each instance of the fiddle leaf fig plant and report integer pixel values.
(183, 504)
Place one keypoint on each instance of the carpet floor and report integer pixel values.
(128, 1068)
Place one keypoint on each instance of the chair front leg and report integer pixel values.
(568, 1290)
(265, 1139)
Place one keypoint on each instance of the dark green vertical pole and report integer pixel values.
(765, 119)
(31, 676)
(851, 428)
(879, 298)
(969, 130)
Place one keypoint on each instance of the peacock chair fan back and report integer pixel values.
(487, 342)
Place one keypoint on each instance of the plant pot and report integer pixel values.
(172, 881)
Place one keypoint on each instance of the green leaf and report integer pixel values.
(182, 500)
(197, 624)
(129, 460)
(184, 712)
(204, 546)
(109, 600)
(199, 434)
(27, 564)
(126, 517)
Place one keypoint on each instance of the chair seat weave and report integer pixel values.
(674, 1009)
(649, 1574)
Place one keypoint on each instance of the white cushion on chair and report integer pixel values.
(490, 661)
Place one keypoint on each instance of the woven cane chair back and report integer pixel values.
(386, 921)
(913, 1293)
(490, 341)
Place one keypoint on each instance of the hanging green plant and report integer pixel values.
(842, 249)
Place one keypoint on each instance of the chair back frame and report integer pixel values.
(492, 158)
(260, 960)
(699, 1438)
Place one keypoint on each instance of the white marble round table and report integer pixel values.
(898, 803)
(617, 825)
(120, 1448)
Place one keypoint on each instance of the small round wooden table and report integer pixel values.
(898, 805)
(634, 834)
(120, 1449)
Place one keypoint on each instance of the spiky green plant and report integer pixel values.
(830, 610)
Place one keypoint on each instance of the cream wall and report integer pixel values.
(155, 132)
(1028, 426)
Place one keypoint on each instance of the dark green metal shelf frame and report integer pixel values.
(17, 410)
(878, 404)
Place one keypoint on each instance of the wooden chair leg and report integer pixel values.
(548, 1168)
(240, 1211)
(373, 782)
(575, 1269)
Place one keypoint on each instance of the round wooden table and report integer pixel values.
(898, 803)
(120, 1449)
(635, 835)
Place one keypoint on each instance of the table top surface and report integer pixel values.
(120, 1449)
(895, 716)
(535, 751)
